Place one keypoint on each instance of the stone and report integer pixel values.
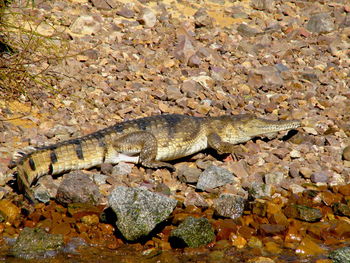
(101, 4)
(77, 187)
(302, 212)
(319, 177)
(148, 18)
(229, 205)
(340, 255)
(36, 243)
(122, 169)
(321, 23)
(86, 25)
(46, 189)
(247, 31)
(192, 232)
(188, 174)
(195, 199)
(275, 178)
(138, 210)
(346, 153)
(213, 177)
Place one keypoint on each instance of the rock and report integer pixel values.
(139, 211)
(101, 4)
(46, 189)
(302, 212)
(346, 153)
(263, 4)
(77, 187)
(36, 243)
(86, 25)
(185, 48)
(341, 209)
(213, 177)
(319, 177)
(266, 75)
(202, 19)
(100, 179)
(195, 199)
(340, 255)
(188, 174)
(320, 23)
(148, 18)
(173, 93)
(275, 179)
(192, 232)
(229, 205)
(247, 31)
(125, 12)
(9, 211)
(122, 169)
(258, 190)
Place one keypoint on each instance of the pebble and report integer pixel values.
(229, 205)
(320, 23)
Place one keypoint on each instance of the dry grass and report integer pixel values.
(26, 56)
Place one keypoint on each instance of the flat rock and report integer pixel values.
(213, 177)
(36, 243)
(138, 210)
(86, 25)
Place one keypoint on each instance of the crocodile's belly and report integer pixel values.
(179, 150)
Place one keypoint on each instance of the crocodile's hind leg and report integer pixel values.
(143, 143)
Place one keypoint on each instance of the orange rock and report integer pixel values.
(344, 189)
(330, 198)
(273, 247)
(324, 261)
(238, 241)
(61, 228)
(90, 219)
(9, 210)
(309, 247)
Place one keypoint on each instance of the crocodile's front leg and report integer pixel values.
(145, 144)
(215, 142)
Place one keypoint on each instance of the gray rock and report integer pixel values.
(229, 205)
(188, 174)
(122, 169)
(340, 255)
(258, 190)
(46, 189)
(100, 179)
(139, 211)
(148, 18)
(320, 23)
(36, 243)
(263, 4)
(173, 93)
(192, 232)
(77, 187)
(319, 177)
(213, 177)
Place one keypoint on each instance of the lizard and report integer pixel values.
(149, 141)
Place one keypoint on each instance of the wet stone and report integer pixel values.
(320, 23)
(302, 212)
(213, 177)
(340, 255)
(341, 209)
(138, 210)
(229, 205)
(192, 232)
(77, 187)
(36, 243)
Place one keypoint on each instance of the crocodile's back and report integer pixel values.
(176, 136)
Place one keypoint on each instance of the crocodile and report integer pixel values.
(149, 141)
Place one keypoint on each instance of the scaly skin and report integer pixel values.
(149, 141)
